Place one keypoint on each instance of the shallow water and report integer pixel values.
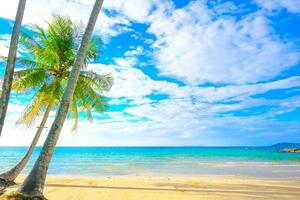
(112, 161)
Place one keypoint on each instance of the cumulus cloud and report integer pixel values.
(195, 45)
(136, 10)
(131, 82)
(4, 44)
(38, 11)
(292, 6)
(136, 52)
(190, 111)
(186, 116)
(236, 92)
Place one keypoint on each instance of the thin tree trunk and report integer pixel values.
(34, 183)
(12, 174)
(9, 72)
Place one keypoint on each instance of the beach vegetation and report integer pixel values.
(35, 181)
(51, 53)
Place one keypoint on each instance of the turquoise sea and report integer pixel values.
(116, 161)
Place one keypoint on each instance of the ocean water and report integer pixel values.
(116, 161)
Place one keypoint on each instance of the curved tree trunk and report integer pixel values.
(12, 174)
(34, 183)
(9, 72)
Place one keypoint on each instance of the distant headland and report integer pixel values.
(287, 147)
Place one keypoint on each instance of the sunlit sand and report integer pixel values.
(167, 188)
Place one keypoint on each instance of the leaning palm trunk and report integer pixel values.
(12, 174)
(8, 78)
(34, 183)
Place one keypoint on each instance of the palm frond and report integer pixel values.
(97, 81)
(31, 63)
(92, 51)
(51, 52)
(44, 97)
(34, 108)
(30, 42)
(89, 98)
(29, 78)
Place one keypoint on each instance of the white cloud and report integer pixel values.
(227, 7)
(136, 10)
(37, 11)
(129, 82)
(124, 11)
(132, 83)
(195, 45)
(190, 113)
(126, 61)
(129, 60)
(4, 44)
(227, 93)
(136, 52)
(292, 6)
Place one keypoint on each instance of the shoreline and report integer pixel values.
(252, 170)
(249, 169)
(179, 175)
(167, 187)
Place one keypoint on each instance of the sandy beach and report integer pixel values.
(166, 188)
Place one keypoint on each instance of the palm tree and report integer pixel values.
(48, 76)
(9, 72)
(35, 181)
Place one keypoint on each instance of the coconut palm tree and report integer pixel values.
(9, 72)
(48, 75)
(34, 183)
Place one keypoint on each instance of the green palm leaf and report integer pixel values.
(51, 54)
(29, 78)
(95, 80)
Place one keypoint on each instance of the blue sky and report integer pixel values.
(186, 72)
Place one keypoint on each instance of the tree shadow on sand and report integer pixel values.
(5, 184)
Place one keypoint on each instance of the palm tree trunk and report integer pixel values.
(8, 78)
(12, 174)
(34, 183)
